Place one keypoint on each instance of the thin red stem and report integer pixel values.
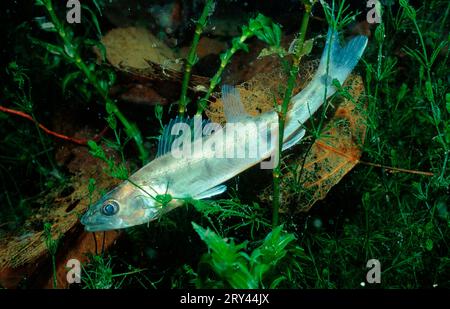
(79, 141)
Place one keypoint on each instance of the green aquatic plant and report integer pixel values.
(115, 170)
(52, 247)
(70, 50)
(299, 52)
(192, 57)
(35, 160)
(397, 218)
(22, 98)
(222, 214)
(98, 273)
(264, 29)
(237, 269)
(426, 62)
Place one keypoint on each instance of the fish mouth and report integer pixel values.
(93, 221)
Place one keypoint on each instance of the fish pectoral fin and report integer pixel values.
(232, 104)
(211, 192)
(297, 137)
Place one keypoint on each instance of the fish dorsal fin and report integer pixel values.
(166, 139)
(232, 104)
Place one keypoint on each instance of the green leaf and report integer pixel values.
(112, 122)
(256, 24)
(97, 6)
(44, 24)
(91, 185)
(51, 48)
(226, 259)
(447, 132)
(268, 32)
(111, 77)
(429, 244)
(436, 52)
(277, 282)
(99, 46)
(436, 114)
(274, 247)
(103, 84)
(379, 33)
(94, 20)
(237, 44)
(409, 10)
(307, 47)
(85, 91)
(402, 92)
(70, 50)
(96, 150)
(69, 78)
(277, 34)
(159, 112)
(415, 55)
(447, 102)
(301, 51)
(280, 51)
(118, 171)
(429, 91)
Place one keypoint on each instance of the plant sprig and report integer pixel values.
(192, 57)
(70, 51)
(264, 29)
(282, 109)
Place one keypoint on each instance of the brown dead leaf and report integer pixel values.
(330, 158)
(260, 92)
(336, 152)
(143, 58)
(133, 47)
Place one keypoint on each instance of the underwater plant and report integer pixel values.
(70, 51)
(373, 162)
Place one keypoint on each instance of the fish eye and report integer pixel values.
(110, 208)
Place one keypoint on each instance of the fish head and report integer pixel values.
(126, 205)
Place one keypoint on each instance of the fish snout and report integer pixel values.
(93, 220)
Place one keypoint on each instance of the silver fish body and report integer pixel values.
(167, 181)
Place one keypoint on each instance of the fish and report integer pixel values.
(196, 166)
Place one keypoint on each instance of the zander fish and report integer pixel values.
(175, 176)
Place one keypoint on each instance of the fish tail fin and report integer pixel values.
(338, 61)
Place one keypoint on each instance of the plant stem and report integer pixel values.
(261, 27)
(224, 60)
(282, 111)
(130, 129)
(430, 96)
(55, 282)
(192, 56)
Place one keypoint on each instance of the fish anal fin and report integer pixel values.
(294, 139)
(210, 192)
